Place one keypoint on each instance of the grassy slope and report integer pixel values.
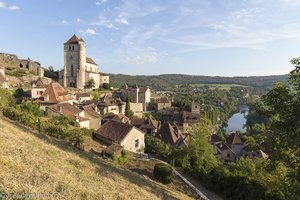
(33, 163)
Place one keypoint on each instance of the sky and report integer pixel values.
(150, 37)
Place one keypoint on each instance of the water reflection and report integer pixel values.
(238, 120)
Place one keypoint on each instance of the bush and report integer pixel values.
(163, 173)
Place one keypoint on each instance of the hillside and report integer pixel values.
(36, 164)
(171, 80)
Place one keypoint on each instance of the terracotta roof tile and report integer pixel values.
(66, 109)
(56, 94)
(167, 134)
(74, 40)
(91, 61)
(114, 131)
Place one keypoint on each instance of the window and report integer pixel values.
(136, 143)
(73, 48)
(228, 155)
(72, 72)
(69, 48)
(71, 57)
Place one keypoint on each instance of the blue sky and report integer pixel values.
(198, 37)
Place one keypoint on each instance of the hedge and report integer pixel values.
(163, 173)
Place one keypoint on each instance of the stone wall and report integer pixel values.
(12, 61)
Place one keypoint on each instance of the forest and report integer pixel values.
(167, 81)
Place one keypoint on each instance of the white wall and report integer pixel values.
(129, 141)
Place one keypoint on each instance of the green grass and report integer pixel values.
(38, 164)
(219, 86)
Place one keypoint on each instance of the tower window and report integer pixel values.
(69, 48)
(73, 48)
(72, 72)
(71, 57)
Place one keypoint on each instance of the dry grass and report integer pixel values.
(33, 163)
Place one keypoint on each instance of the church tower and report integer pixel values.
(74, 63)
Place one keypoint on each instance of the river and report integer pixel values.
(238, 120)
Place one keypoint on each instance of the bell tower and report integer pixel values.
(74, 62)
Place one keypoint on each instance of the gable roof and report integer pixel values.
(222, 146)
(214, 138)
(143, 89)
(82, 94)
(74, 40)
(114, 131)
(39, 83)
(149, 123)
(67, 110)
(91, 61)
(56, 94)
(234, 138)
(168, 134)
(89, 109)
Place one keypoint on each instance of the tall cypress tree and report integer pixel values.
(128, 111)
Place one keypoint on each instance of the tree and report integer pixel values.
(106, 86)
(128, 111)
(90, 83)
(201, 154)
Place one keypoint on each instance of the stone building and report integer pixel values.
(140, 97)
(78, 68)
(12, 61)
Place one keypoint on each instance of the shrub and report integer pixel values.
(163, 173)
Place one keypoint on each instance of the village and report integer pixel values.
(82, 108)
(113, 121)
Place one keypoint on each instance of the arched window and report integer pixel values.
(73, 48)
(69, 48)
(72, 72)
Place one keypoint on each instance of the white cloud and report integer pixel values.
(103, 21)
(2, 4)
(13, 8)
(100, 2)
(88, 31)
(142, 59)
(64, 21)
(121, 21)
(78, 20)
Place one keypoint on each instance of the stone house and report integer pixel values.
(171, 135)
(111, 105)
(91, 113)
(115, 117)
(148, 125)
(37, 88)
(224, 152)
(163, 103)
(3, 80)
(69, 111)
(78, 68)
(80, 96)
(235, 142)
(54, 94)
(140, 97)
(129, 137)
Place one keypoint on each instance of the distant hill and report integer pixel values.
(171, 80)
(32, 163)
